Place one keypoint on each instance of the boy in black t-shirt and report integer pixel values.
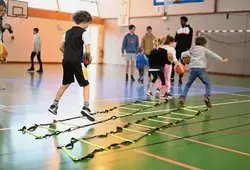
(72, 47)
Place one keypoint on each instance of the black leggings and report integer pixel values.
(32, 56)
(159, 74)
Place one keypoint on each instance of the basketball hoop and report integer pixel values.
(19, 18)
(167, 3)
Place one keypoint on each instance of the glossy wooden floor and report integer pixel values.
(218, 139)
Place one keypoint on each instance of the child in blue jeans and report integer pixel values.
(198, 56)
(141, 63)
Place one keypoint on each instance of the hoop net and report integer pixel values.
(231, 44)
(167, 3)
(19, 18)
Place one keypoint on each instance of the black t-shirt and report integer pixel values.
(158, 58)
(73, 45)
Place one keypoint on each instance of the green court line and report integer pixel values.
(43, 127)
(171, 118)
(121, 138)
(150, 127)
(157, 121)
(144, 133)
(31, 133)
(181, 114)
(137, 104)
(128, 108)
(190, 110)
(67, 124)
(69, 154)
(84, 141)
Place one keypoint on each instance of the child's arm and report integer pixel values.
(137, 44)
(37, 44)
(62, 44)
(124, 44)
(174, 56)
(210, 54)
(86, 40)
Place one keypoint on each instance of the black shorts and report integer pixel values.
(159, 74)
(71, 70)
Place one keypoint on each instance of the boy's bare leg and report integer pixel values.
(86, 93)
(53, 108)
(61, 91)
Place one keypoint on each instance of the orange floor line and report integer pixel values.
(207, 144)
(167, 160)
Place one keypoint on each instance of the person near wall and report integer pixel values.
(36, 51)
(183, 37)
(3, 27)
(130, 46)
(147, 44)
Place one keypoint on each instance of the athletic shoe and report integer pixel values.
(181, 101)
(164, 97)
(39, 71)
(2, 87)
(207, 102)
(132, 78)
(126, 79)
(180, 81)
(172, 80)
(86, 112)
(169, 96)
(150, 94)
(31, 69)
(53, 109)
(157, 93)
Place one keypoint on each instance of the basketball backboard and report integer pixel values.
(17, 9)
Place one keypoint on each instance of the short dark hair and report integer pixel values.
(200, 41)
(140, 49)
(131, 27)
(184, 18)
(2, 3)
(149, 28)
(36, 29)
(82, 16)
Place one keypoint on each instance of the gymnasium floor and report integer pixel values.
(217, 139)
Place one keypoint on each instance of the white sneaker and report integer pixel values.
(157, 94)
(2, 87)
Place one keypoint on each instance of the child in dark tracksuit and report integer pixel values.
(141, 63)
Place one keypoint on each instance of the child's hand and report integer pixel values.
(225, 60)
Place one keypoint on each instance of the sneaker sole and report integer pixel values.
(89, 116)
(52, 112)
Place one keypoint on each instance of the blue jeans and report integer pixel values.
(203, 76)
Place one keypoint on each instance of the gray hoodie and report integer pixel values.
(199, 55)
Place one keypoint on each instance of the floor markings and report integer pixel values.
(206, 144)
(167, 160)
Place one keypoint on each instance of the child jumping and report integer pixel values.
(157, 60)
(169, 45)
(72, 46)
(141, 63)
(198, 56)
